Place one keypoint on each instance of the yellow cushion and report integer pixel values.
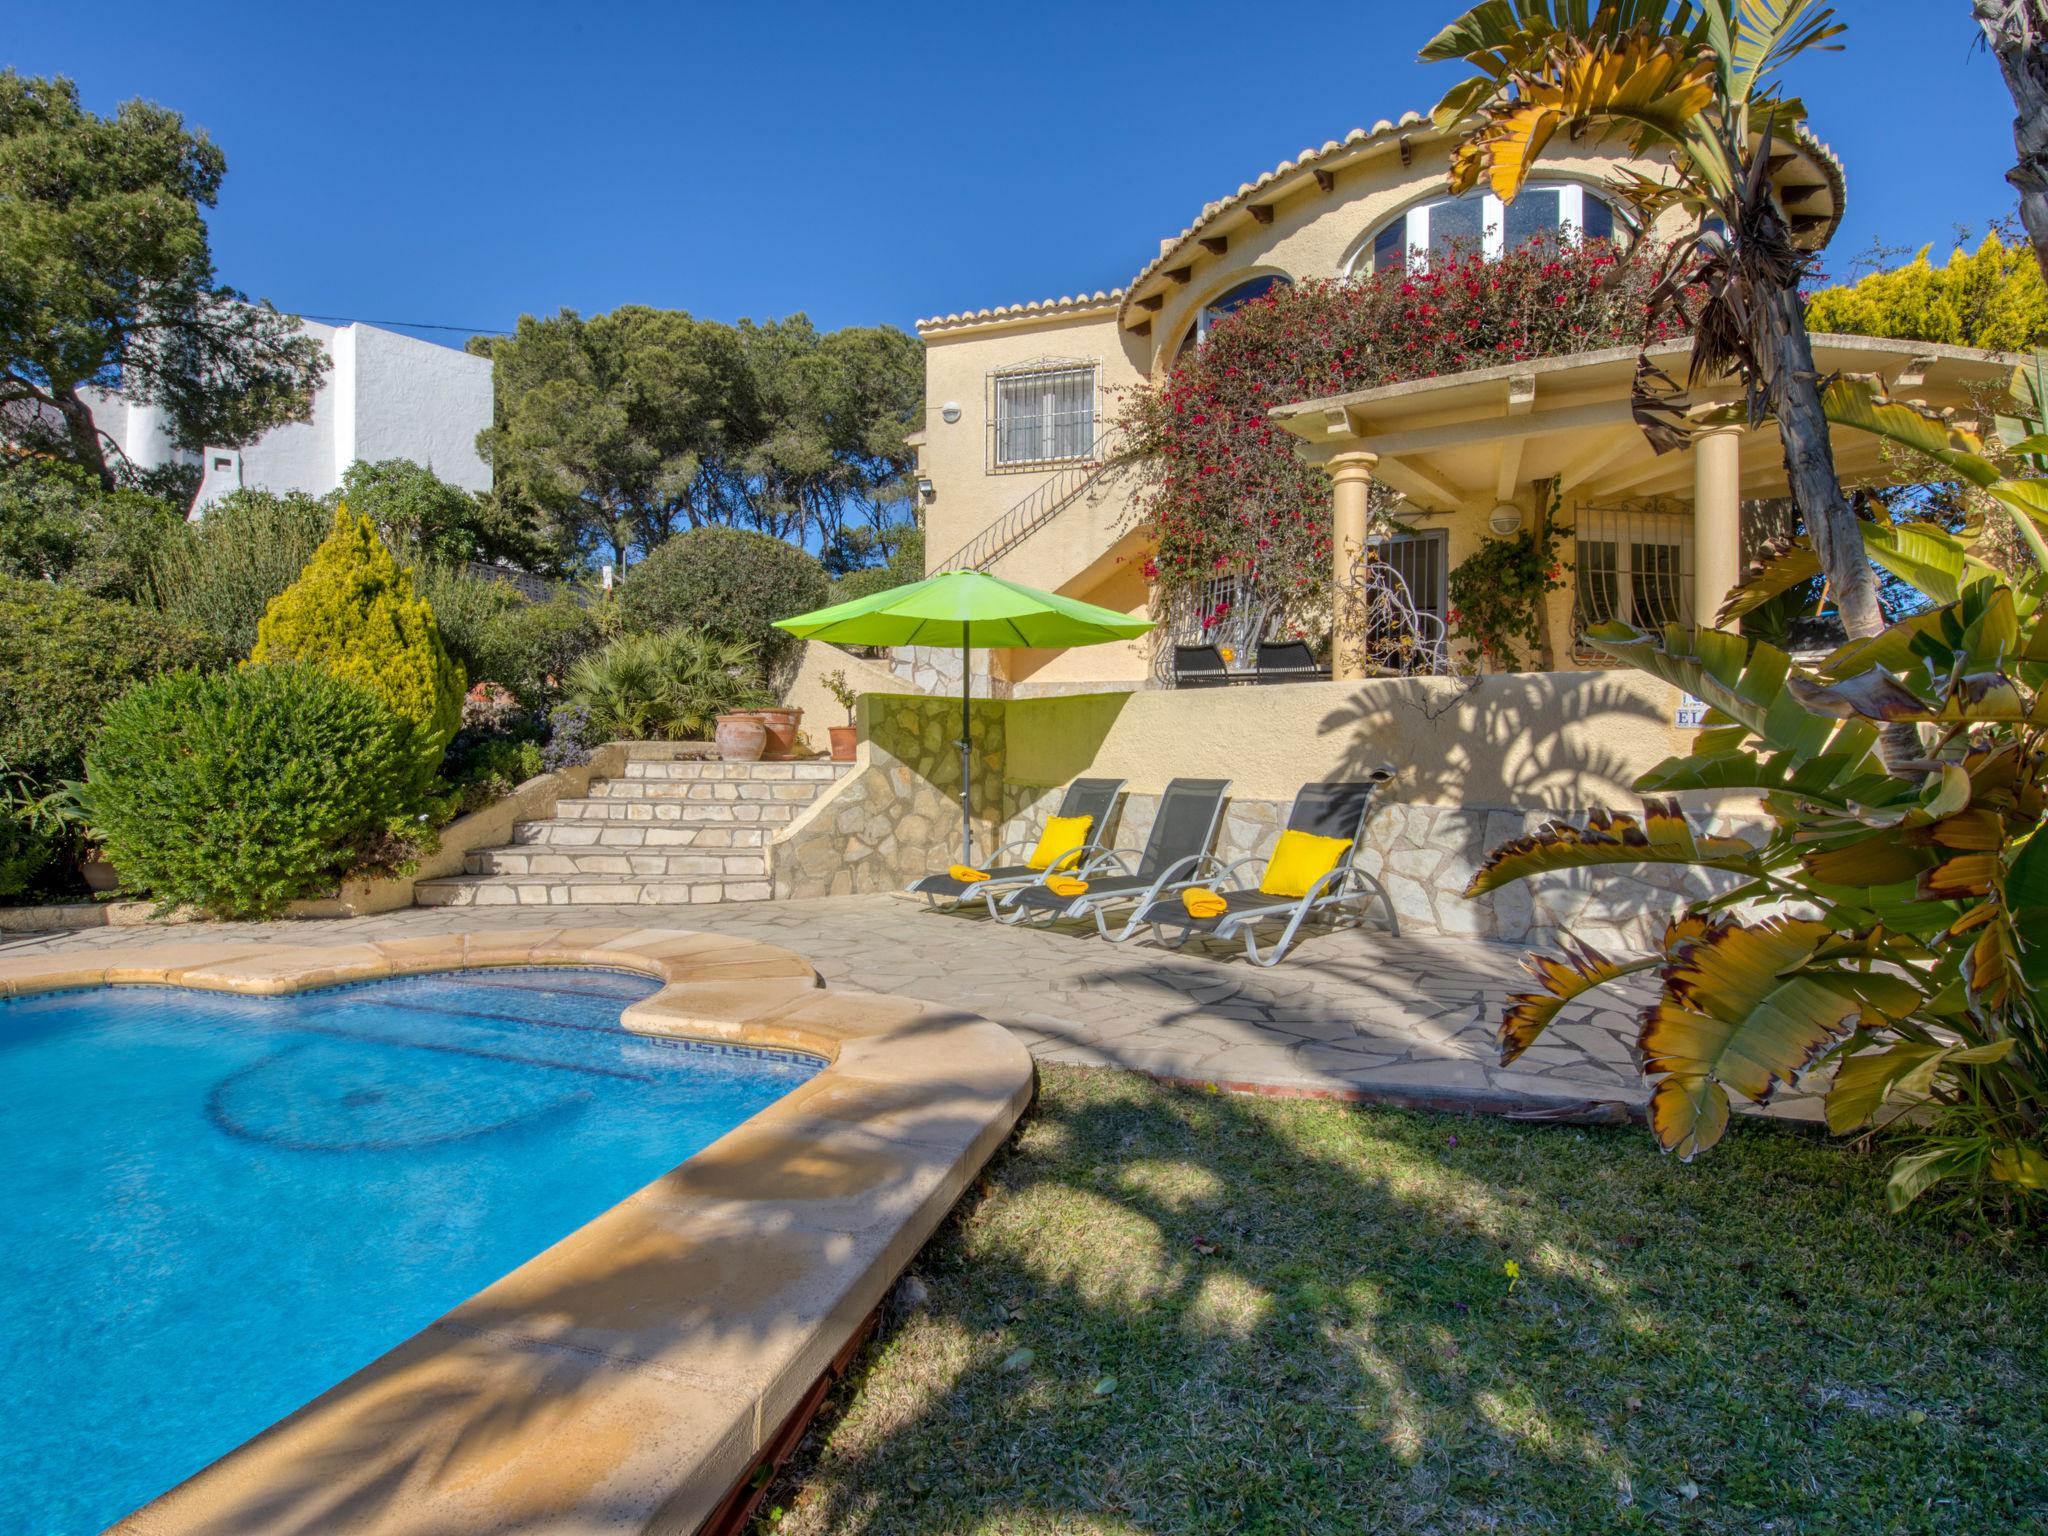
(1065, 885)
(1299, 860)
(1201, 902)
(967, 874)
(1063, 836)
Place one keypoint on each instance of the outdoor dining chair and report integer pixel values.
(1200, 666)
(1336, 809)
(1093, 798)
(1286, 661)
(1176, 853)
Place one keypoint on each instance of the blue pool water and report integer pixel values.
(212, 1208)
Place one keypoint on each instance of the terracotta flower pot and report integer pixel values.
(844, 739)
(782, 724)
(740, 738)
(99, 875)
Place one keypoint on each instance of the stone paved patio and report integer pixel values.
(1354, 1012)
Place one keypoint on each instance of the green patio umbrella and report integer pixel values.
(967, 609)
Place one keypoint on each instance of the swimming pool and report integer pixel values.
(217, 1206)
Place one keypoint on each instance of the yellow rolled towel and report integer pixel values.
(1065, 885)
(967, 874)
(1203, 903)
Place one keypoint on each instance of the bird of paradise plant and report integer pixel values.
(1892, 926)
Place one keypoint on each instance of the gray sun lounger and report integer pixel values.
(1094, 798)
(1327, 810)
(1176, 853)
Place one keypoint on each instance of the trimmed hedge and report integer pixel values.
(240, 791)
(728, 582)
(64, 657)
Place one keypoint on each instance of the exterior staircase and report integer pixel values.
(668, 833)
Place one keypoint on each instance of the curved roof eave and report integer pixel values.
(1323, 163)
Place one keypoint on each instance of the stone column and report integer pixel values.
(1350, 479)
(1717, 519)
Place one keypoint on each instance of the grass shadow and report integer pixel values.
(1275, 1316)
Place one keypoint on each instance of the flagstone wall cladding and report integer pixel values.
(898, 817)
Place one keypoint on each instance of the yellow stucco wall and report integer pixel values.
(807, 692)
(1538, 741)
(970, 494)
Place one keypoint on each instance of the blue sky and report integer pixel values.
(462, 164)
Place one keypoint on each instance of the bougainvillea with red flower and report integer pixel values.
(1222, 487)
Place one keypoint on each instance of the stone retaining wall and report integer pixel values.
(897, 815)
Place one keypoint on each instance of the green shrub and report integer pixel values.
(466, 605)
(490, 767)
(903, 568)
(530, 648)
(57, 523)
(1994, 298)
(220, 574)
(240, 791)
(669, 686)
(354, 612)
(727, 582)
(64, 657)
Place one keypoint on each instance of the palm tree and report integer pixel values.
(1694, 79)
(2016, 31)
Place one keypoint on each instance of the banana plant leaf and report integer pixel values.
(1661, 836)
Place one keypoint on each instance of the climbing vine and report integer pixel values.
(1500, 592)
(1222, 488)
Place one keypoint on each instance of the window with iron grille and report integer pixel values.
(1633, 567)
(1043, 413)
(1419, 558)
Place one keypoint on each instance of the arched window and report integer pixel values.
(1543, 211)
(1224, 302)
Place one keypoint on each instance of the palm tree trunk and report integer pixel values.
(1830, 520)
(1810, 467)
(2016, 31)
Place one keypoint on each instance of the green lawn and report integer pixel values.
(1255, 1315)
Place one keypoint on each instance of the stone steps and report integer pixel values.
(694, 771)
(709, 791)
(540, 859)
(638, 834)
(665, 833)
(753, 813)
(583, 890)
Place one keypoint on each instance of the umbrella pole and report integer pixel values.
(966, 743)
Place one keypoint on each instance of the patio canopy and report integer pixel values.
(1469, 442)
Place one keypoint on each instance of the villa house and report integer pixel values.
(385, 396)
(1021, 401)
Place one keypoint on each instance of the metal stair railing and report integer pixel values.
(1045, 503)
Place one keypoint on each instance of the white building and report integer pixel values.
(386, 396)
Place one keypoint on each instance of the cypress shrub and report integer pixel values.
(240, 791)
(353, 612)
